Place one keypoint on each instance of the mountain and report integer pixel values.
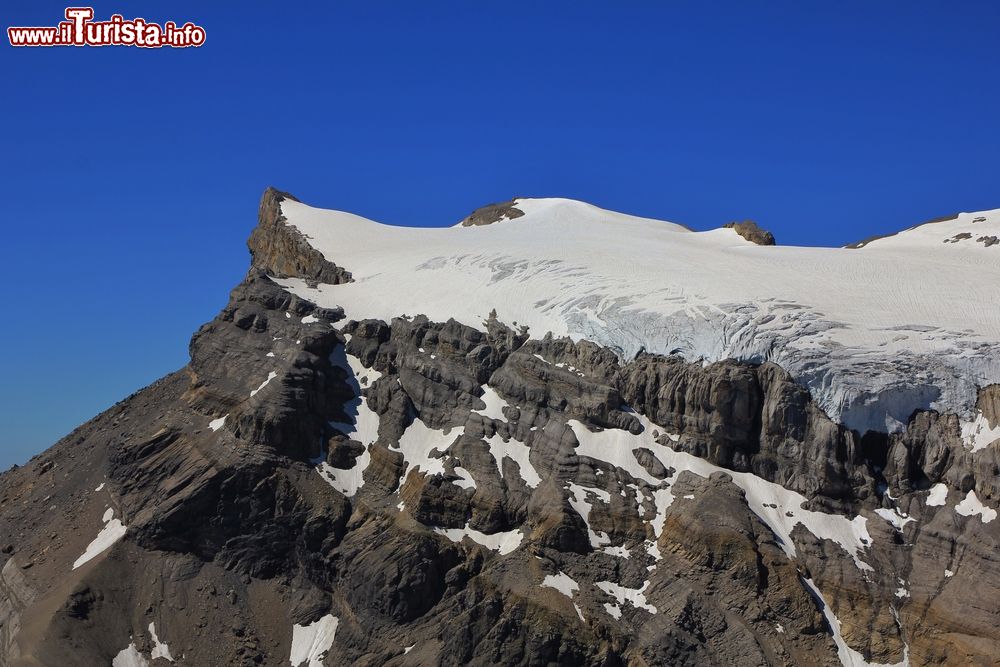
(550, 434)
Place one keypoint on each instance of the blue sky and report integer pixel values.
(130, 178)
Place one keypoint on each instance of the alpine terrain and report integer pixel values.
(549, 435)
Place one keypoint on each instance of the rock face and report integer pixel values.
(415, 492)
(749, 230)
(280, 250)
(487, 215)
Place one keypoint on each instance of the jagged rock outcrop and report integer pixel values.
(420, 492)
(487, 215)
(280, 250)
(751, 231)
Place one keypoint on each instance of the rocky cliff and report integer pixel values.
(316, 488)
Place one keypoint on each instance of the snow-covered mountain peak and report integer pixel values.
(965, 231)
(874, 334)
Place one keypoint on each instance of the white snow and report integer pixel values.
(216, 424)
(494, 405)
(516, 451)
(848, 656)
(949, 573)
(634, 596)
(99, 487)
(129, 657)
(408, 648)
(618, 552)
(613, 610)
(364, 427)
(310, 643)
(113, 531)
(562, 582)
(895, 517)
(771, 502)
(579, 500)
(503, 542)
(310, 319)
(464, 480)
(160, 649)
(270, 376)
(971, 505)
(912, 307)
(978, 434)
(417, 444)
(780, 629)
(938, 495)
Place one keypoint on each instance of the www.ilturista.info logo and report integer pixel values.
(79, 29)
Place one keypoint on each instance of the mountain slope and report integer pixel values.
(363, 464)
(920, 313)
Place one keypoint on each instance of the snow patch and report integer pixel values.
(978, 434)
(113, 531)
(419, 441)
(270, 376)
(938, 495)
(562, 582)
(634, 596)
(895, 517)
(216, 424)
(363, 428)
(516, 451)
(160, 649)
(310, 643)
(494, 405)
(464, 480)
(503, 542)
(971, 505)
(579, 500)
(129, 657)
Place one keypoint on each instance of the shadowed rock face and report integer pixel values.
(460, 495)
(749, 230)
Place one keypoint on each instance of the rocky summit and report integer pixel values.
(548, 435)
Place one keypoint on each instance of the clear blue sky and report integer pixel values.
(130, 178)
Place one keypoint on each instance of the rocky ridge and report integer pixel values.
(360, 491)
